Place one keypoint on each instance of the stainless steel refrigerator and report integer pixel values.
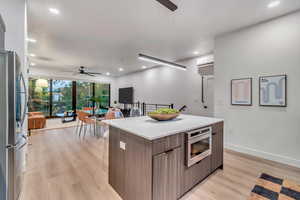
(13, 103)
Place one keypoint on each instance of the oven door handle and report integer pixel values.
(200, 137)
(199, 132)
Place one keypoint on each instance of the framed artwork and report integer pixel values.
(273, 90)
(241, 92)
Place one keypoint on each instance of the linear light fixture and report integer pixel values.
(32, 40)
(161, 62)
(168, 4)
(274, 4)
(54, 11)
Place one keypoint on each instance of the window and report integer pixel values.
(102, 92)
(55, 97)
(84, 93)
(39, 93)
(61, 97)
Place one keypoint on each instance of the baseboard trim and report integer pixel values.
(265, 155)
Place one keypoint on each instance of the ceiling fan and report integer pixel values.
(83, 70)
(168, 4)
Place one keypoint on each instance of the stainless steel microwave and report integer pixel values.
(198, 145)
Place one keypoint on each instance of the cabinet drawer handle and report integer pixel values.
(214, 133)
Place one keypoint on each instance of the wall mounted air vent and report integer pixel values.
(206, 65)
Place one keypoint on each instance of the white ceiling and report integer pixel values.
(107, 35)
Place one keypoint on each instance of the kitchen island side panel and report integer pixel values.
(133, 169)
(116, 162)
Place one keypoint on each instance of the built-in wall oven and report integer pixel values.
(198, 145)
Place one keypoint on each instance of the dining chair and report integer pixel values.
(135, 112)
(113, 113)
(87, 108)
(85, 121)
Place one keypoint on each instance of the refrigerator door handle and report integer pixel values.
(10, 146)
(25, 103)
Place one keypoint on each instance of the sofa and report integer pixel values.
(36, 120)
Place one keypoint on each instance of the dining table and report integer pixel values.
(97, 112)
(99, 115)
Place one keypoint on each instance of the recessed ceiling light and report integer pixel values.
(32, 55)
(273, 4)
(54, 11)
(196, 52)
(32, 64)
(121, 69)
(31, 40)
(107, 73)
(144, 67)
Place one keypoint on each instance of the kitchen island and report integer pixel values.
(152, 160)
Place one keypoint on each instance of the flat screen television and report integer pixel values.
(126, 95)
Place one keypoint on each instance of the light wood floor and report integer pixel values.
(63, 167)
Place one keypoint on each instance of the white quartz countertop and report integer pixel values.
(151, 129)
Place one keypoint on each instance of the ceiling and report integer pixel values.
(108, 35)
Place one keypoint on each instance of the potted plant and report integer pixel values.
(97, 101)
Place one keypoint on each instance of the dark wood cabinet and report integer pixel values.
(167, 143)
(138, 168)
(194, 174)
(166, 175)
(116, 158)
(130, 169)
(156, 170)
(217, 147)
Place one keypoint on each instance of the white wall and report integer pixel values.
(167, 85)
(13, 13)
(269, 48)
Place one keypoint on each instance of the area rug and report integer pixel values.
(272, 188)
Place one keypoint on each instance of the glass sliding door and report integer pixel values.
(61, 97)
(84, 93)
(55, 97)
(39, 93)
(102, 93)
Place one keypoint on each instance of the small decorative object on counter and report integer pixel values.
(164, 114)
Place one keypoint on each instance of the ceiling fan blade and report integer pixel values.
(67, 71)
(89, 74)
(169, 4)
(95, 73)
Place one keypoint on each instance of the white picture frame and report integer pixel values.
(241, 92)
